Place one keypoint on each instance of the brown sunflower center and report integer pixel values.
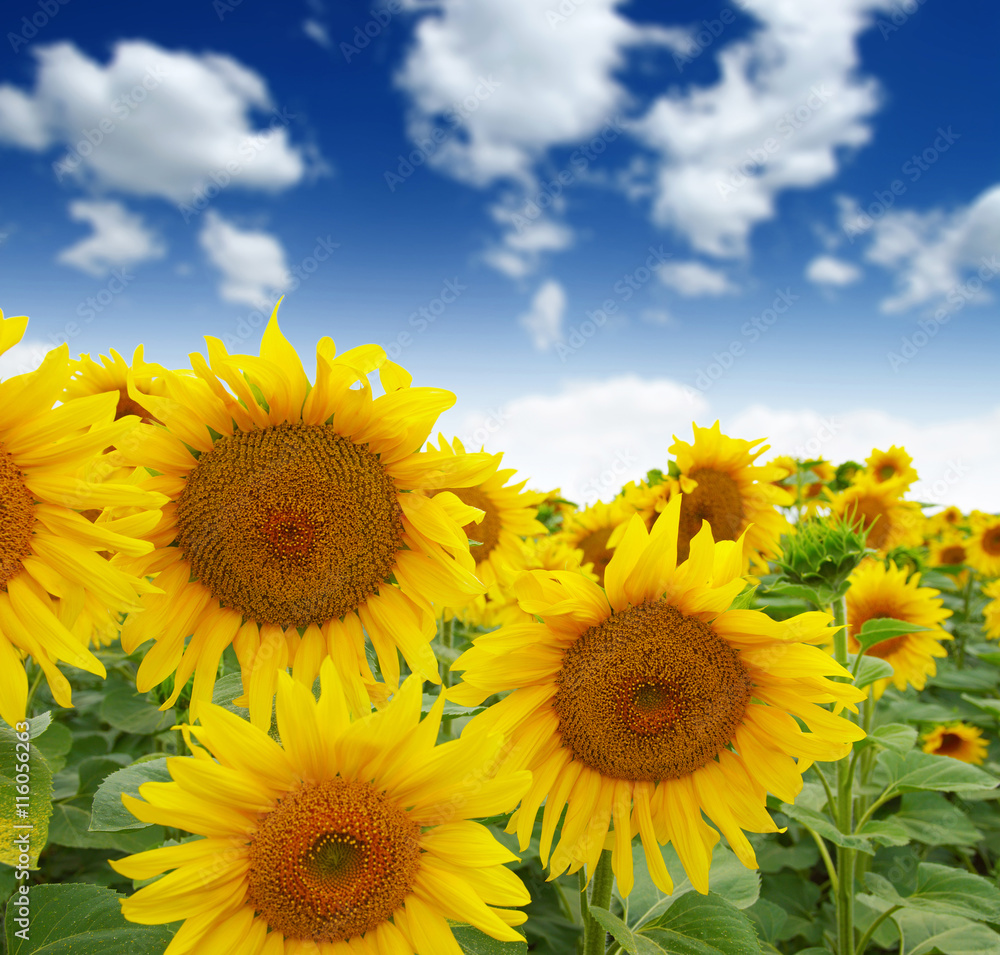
(950, 743)
(487, 531)
(874, 519)
(291, 524)
(991, 541)
(17, 518)
(332, 861)
(886, 471)
(596, 551)
(717, 500)
(650, 694)
(953, 554)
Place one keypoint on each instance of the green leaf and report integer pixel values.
(986, 705)
(885, 832)
(744, 600)
(699, 925)
(949, 679)
(611, 923)
(925, 932)
(475, 942)
(727, 877)
(69, 919)
(109, 813)
(95, 769)
(821, 823)
(884, 628)
(451, 710)
(228, 688)
(127, 710)
(54, 744)
(941, 890)
(37, 791)
(773, 857)
(70, 827)
(870, 670)
(898, 737)
(769, 918)
(917, 771)
(929, 818)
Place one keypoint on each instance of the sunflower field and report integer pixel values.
(284, 670)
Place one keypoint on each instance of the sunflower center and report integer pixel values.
(596, 551)
(953, 554)
(290, 524)
(717, 500)
(332, 861)
(950, 743)
(874, 519)
(487, 531)
(650, 694)
(886, 471)
(990, 541)
(17, 517)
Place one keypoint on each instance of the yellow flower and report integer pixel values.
(959, 741)
(984, 544)
(647, 702)
(889, 521)
(298, 520)
(347, 838)
(54, 585)
(723, 485)
(991, 612)
(590, 530)
(879, 591)
(951, 549)
(111, 375)
(947, 520)
(894, 467)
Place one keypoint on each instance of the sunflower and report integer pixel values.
(590, 530)
(53, 583)
(950, 550)
(959, 741)
(738, 498)
(649, 702)
(298, 519)
(646, 499)
(894, 467)
(991, 612)
(949, 519)
(111, 375)
(879, 591)
(889, 521)
(508, 516)
(984, 543)
(347, 838)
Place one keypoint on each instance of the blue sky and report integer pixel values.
(782, 215)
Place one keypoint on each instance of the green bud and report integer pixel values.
(821, 555)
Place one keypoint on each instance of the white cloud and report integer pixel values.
(252, 263)
(695, 278)
(523, 242)
(316, 32)
(120, 238)
(23, 357)
(933, 253)
(827, 270)
(787, 98)
(543, 321)
(152, 122)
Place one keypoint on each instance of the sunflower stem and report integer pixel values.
(845, 809)
(32, 691)
(594, 934)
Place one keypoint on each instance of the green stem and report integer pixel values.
(831, 800)
(881, 801)
(845, 809)
(831, 871)
(600, 895)
(446, 628)
(585, 919)
(873, 928)
(32, 690)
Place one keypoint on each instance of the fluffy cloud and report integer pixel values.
(543, 321)
(152, 122)
(120, 238)
(788, 96)
(695, 278)
(21, 358)
(519, 251)
(253, 265)
(827, 270)
(933, 254)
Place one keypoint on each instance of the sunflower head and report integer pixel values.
(991, 612)
(959, 741)
(984, 543)
(889, 521)
(894, 467)
(822, 554)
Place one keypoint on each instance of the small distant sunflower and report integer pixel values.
(991, 612)
(298, 519)
(508, 516)
(951, 518)
(894, 466)
(347, 838)
(984, 544)
(646, 499)
(890, 522)
(111, 375)
(648, 702)
(950, 550)
(878, 591)
(53, 583)
(590, 530)
(723, 485)
(959, 741)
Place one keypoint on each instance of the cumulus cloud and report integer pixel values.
(252, 263)
(695, 278)
(521, 246)
(152, 122)
(543, 320)
(827, 270)
(23, 357)
(120, 238)
(936, 256)
(316, 32)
